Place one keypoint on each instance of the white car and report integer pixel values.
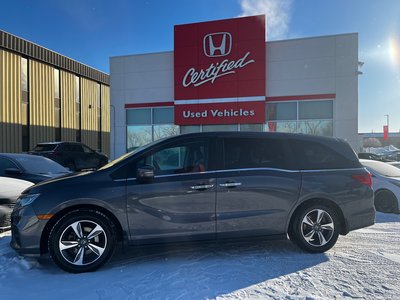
(386, 185)
(10, 189)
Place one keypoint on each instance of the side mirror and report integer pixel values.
(145, 174)
(13, 171)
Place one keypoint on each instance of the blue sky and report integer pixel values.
(91, 31)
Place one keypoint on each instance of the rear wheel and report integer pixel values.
(315, 228)
(82, 241)
(386, 201)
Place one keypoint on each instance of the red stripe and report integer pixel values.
(268, 99)
(301, 97)
(150, 104)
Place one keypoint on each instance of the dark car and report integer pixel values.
(372, 156)
(73, 155)
(198, 187)
(30, 168)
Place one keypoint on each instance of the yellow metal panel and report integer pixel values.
(42, 107)
(10, 102)
(68, 107)
(90, 127)
(105, 119)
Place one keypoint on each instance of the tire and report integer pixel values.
(386, 202)
(82, 253)
(315, 228)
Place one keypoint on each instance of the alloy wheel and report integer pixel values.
(317, 227)
(82, 242)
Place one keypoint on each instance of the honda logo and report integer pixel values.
(217, 44)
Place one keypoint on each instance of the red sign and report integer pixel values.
(219, 72)
(385, 132)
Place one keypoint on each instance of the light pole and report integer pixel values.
(387, 121)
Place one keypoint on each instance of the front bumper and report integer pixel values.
(26, 230)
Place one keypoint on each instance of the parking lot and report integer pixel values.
(364, 264)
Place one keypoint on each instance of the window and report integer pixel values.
(78, 125)
(281, 111)
(241, 153)
(99, 140)
(251, 127)
(315, 110)
(57, 105)
(87, 149)
(188, 157)
(25, 104)
(208, 128)
(6, 164)
(310, 155)
(190, 129)
(145, 125)
(309, 117)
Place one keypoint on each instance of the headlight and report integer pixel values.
(25, 200)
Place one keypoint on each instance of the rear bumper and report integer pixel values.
(26, 230)
(362, 219)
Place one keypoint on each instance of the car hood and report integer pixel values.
(60, 180)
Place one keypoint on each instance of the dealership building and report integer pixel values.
(45, 97)
(223, 75)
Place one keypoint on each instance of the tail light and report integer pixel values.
(363, 178)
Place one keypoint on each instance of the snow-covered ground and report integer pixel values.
(364, 264)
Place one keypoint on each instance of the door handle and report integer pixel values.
(201, 187)
(230, 184)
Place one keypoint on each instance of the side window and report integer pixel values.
(75, 148)
(87, 149)
(6, 164)
(242, 153)
(187, 157)
(310, 155)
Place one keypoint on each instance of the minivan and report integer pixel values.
(201, 186)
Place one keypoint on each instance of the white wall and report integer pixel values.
(321, 65)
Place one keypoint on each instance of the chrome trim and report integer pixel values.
(230, 184)
(331, 170)
(248, 169)
(202, 186)
(119, 180)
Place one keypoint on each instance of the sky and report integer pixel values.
(91, 31)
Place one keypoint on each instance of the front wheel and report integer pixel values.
(82, 241)
(315, 228)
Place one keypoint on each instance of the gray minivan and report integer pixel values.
(199, 186)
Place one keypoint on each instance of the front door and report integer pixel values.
(180, 202)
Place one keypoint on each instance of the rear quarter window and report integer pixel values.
(312, 155)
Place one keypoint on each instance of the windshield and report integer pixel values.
(40, 165)
(46, 147)
(382, 168)
(121, 158)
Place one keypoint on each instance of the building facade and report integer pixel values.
(222, 75)
(45, 97)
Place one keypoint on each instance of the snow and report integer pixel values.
(364, 264)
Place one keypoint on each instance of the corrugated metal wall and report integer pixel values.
(90, 127)
(68, 107)
(105, 119)
(10, 102)
(41, 83)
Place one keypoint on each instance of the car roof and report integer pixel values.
(282, 135)
(23, 155)
(58, 143)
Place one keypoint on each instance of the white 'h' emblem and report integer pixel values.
(224, 47)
